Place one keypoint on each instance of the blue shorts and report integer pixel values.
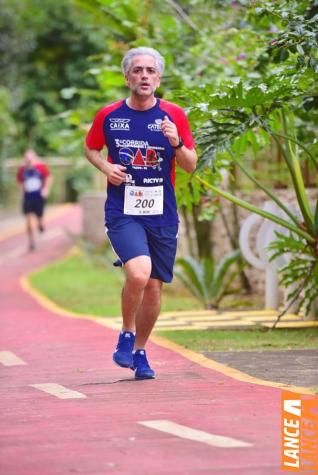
(33, 204)
(129, 238)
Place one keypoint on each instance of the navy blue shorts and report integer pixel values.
(129, 238)
(34, 205)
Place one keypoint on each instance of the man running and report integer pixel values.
(144, 136)
(36, 181)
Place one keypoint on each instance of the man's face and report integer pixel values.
(30, 158)
(143, 76)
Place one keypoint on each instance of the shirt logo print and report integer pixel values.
(156, 126)
(120, 124)
(152, 159)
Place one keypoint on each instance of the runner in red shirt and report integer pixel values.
(145, 137)
(36, 181)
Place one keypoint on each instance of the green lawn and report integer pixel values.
(229, 340)
(92, 286)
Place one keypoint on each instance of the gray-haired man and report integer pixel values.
(145, 137)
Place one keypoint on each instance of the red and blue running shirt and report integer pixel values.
(134, 139)
(32, 178)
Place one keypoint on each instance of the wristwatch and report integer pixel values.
(180, 144)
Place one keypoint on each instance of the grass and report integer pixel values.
(93, 286)
(231, 340)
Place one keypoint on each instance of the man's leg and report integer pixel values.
(146, 317)
(40, 224)
(28, 218)
(40, 213)
(137, 272)
(148, 312)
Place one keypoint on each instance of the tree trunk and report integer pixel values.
(187, 224)
(203, 233)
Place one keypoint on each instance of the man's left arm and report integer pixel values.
(186, 158)
(47, 186)
(47, 181)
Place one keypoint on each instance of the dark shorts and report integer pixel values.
(129, 238)
(34, 205)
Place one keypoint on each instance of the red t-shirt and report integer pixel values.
(135, 139)
(33, 178)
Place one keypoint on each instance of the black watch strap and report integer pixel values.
(180, 144)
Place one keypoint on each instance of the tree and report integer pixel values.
(206, 280)
(45, 48)
(242, 115)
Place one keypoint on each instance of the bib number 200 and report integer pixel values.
(144, 203)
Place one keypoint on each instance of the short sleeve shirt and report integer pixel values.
(134, 139)
(32, 178)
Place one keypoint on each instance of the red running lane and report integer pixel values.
(101, 434)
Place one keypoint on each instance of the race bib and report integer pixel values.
(32, 184)
(143, 200)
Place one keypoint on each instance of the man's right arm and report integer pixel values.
(115, 173)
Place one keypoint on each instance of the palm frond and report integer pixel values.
(208, 267)
(223, 268)
(189, 285)
(192, 272)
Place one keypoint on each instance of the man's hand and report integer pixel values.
(186, 159)
(47, 186)
(170, 131)
(45, 192)
(116, 174)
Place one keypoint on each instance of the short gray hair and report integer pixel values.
(127, 59)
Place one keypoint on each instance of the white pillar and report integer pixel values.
(271, 289)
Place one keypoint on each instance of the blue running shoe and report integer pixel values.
(141, 366)
(123, 354)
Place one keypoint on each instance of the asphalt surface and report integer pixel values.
(296, 367)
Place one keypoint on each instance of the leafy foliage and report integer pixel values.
(246, 72)
(45, 46)
(237, 117)
(7, 133)
(302, 266)
(207, 281)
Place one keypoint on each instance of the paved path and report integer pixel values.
(65, 408)
(297, 367)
